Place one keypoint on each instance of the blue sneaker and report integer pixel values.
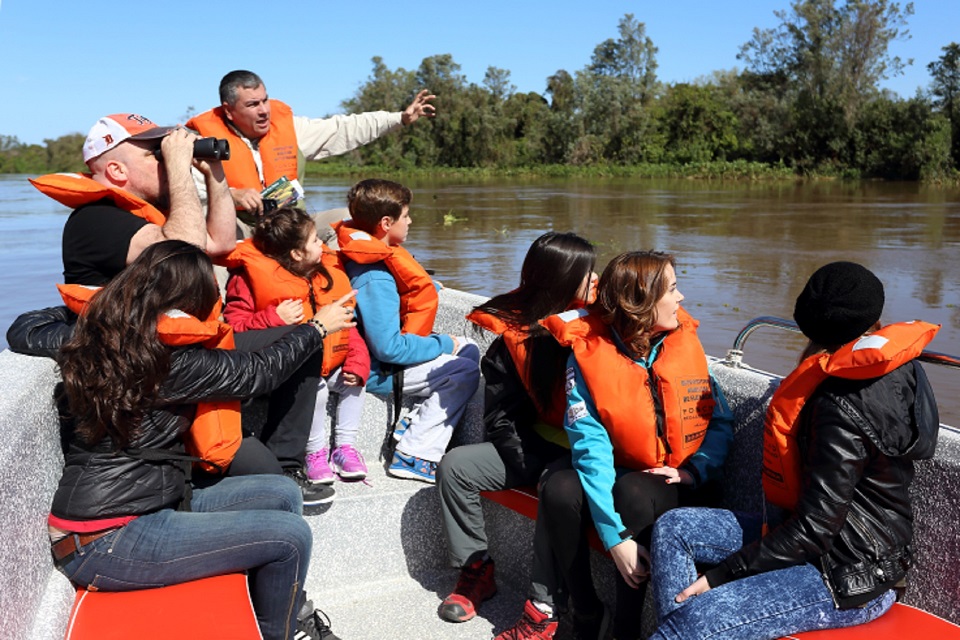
(412, 468)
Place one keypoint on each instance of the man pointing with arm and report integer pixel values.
(267, 141)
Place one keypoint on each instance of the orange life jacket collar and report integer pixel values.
(868, 357)
(278, 148)
(629, 398)
(77, 189)
(418, 295)
(515, 340)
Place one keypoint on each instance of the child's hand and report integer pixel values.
(290, 311)
(351, 379)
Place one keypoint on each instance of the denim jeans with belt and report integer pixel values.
(247, 523)
(767, 605)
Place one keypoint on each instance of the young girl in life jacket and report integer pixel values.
(841, 436)
(648, 430)
(523, 408)
(281, 276)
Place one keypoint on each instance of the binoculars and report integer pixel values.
(207, 149)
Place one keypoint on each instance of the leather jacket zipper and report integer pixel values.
(864, 530)
(825, 576)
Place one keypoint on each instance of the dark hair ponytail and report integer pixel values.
(551, 278)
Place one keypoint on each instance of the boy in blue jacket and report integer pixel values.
(396, 306)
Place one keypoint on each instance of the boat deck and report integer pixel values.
(379, 566)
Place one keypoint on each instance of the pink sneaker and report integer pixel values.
(318, 469)
(348, 463)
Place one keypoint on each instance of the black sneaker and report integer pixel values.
(313, 494)
(315, 626)
(591, 627)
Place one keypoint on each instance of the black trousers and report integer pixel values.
(639, 498)
(289, 407)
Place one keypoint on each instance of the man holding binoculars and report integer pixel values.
(140, 191)
(135, 197)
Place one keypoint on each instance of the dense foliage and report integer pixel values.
(806, 102)
(62, 154)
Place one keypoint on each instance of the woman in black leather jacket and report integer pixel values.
(123, 516)
(845, 542)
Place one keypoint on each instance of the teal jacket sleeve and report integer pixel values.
(378, 313)
(706, 465)
(592, 454)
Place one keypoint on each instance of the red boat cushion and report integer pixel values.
(524, 501)
(217, 607)
(900, 623)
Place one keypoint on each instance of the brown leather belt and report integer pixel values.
(71, 544)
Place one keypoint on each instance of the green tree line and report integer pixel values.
(61, 154)
(807, 101)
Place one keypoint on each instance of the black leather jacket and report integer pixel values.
(509, 414)
(98, 483)
(858, 440)
(40, 333)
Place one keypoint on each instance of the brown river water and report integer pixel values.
(743, 249)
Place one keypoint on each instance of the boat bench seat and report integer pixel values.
(902, 621)
(524, 501)
(217, 607)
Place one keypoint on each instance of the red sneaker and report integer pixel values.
(533, 625)
(474, 585)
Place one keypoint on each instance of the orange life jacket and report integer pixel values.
(515, 340)
(215, 434)
(868, 357)
(77, 189)
(278, 148)
(418, 295)
(271, 284)
(629, 399)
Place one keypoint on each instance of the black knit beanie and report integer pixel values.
(840, 302)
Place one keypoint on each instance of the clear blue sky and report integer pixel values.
(65, 63)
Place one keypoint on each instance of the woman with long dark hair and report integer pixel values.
(648, 429)
(523, 408)
(124, 515)
(841, 434)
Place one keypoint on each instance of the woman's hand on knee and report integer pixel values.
(672, 475)
(633, 562)
(699, 587)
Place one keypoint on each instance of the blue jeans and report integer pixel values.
(767, 605)
(246, 523)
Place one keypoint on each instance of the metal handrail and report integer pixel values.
(735, 355)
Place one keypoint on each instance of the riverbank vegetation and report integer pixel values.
(806, 103)
(717, 169)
